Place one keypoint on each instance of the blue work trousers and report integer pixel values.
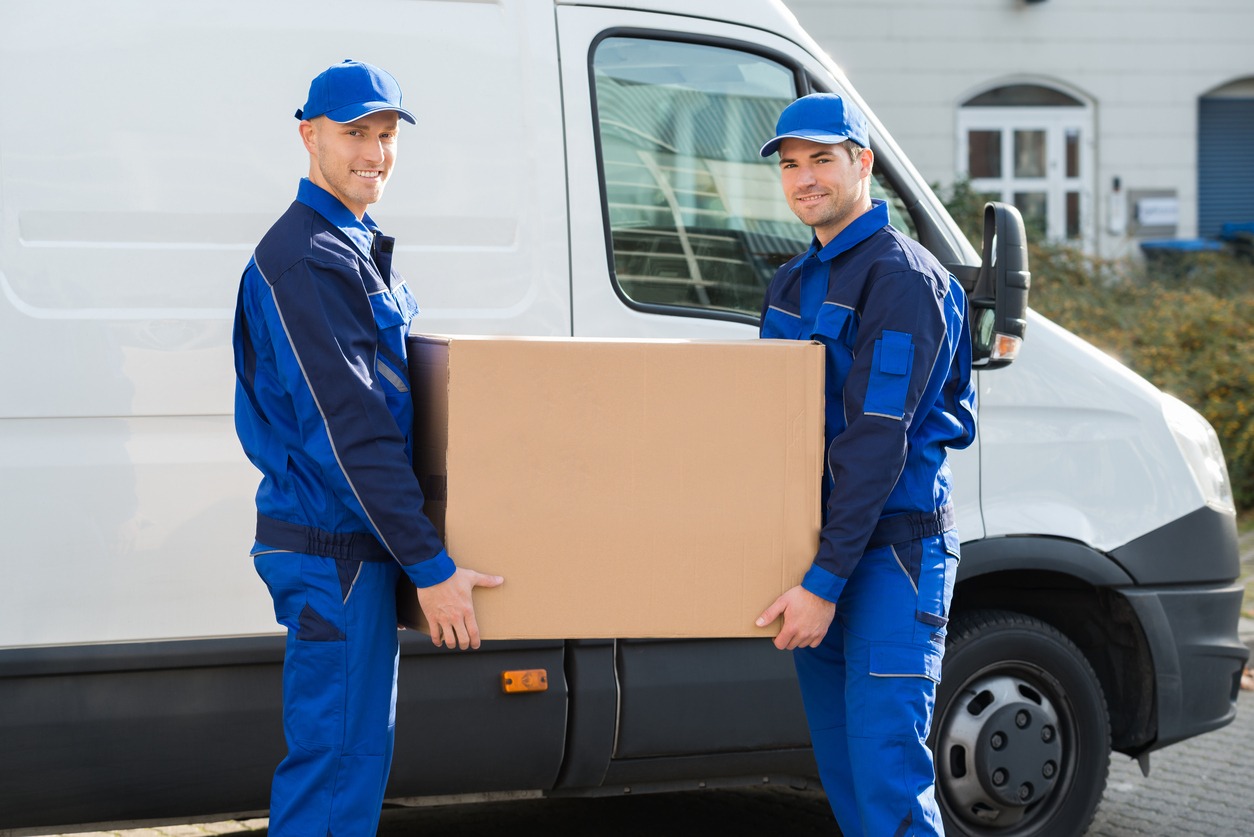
(870, 687)
(339, 691)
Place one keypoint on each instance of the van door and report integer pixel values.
(677, 226)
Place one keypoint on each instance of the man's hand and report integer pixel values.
(806, 619)
(449, 610)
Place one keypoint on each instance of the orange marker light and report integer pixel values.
(526, 680)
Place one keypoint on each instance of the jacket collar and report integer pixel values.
(361, 233)
(859, 230)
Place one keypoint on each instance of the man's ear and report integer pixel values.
(308, 135)
(867, 160)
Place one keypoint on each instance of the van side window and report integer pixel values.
(881, 189)
(696, 216)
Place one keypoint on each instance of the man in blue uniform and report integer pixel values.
(323, 409)
(868, 621)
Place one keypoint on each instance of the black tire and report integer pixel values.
(1021, 732)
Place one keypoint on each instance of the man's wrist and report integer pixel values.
(823, 583)
(435, 570)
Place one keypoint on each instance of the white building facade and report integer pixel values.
(1107, 122)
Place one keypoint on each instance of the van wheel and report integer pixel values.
(1021, 734)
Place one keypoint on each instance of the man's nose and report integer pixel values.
(372, 151)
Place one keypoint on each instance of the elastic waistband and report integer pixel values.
(349, 546)
(912, 526)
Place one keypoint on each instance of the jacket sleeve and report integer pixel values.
(900, 336)
(326, 340)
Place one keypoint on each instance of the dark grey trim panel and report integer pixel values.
(139, 656)
(1038, 552)
(134, 740)
(1199, 548)
(685, 696)
(1198, 656)
(794, 762)
(190, 653)
(593, 713)
(192, 728)
(457, 732)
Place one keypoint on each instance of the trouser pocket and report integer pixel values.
(932, 564)
(308, 600)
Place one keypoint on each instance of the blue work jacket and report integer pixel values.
(898, 379)
(322, 401)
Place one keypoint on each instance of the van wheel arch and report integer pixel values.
(1021, 732)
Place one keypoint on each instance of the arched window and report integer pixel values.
(1031, 146)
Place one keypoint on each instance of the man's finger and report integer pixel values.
(771, 613)
(472, 628)
(785, 640)
(463, 635)
(482, 580)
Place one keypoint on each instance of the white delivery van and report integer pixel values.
(579, 168)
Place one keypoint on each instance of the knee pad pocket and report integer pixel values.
(313, 683)
(890, 659)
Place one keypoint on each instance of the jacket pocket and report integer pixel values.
(889, 382)
(393, 311)
(778, 324)
(836, 327)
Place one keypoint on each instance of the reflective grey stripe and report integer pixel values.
(904, 570)
(393, 378)
(353, 586)
(326, 423)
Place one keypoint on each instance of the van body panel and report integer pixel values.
(126, 529)
(1075, 446)
(122, 251)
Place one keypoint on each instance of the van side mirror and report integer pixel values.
(999, 301)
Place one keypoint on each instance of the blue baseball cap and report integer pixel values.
(350, 90)
(820, 117)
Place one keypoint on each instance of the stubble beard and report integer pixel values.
(346, 184)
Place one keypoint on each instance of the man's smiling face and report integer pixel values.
(825, 188)
(352, 160)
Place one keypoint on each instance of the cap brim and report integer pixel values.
(348, 113)
(824, 139)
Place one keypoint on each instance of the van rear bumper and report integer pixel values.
(1197, 655)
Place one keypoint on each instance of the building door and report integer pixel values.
(1032, 146)
(1225, 159)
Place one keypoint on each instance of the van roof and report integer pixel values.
(763, 14)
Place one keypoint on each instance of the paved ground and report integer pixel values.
(1198, 787)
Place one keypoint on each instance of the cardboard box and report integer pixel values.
(623, 488)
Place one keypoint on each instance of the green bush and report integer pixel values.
(1185, 323)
